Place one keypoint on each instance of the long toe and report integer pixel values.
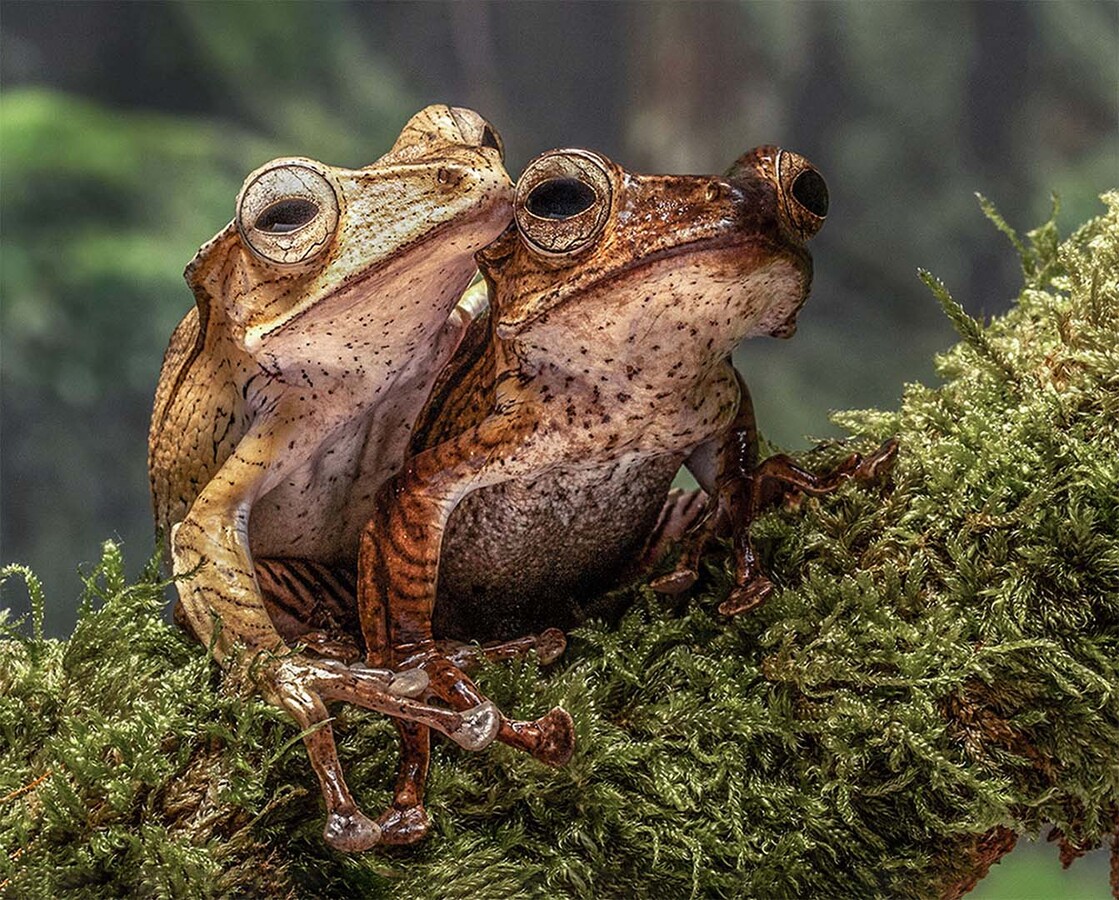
(550, 645)
(351, 832)
(748, 597)
(674, 582)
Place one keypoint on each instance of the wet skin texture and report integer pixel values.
(287, 398)
(543, 462)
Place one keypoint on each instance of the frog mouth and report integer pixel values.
(732, 251)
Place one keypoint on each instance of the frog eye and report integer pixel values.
(492, 139)
(288, 211)
(811, 192)
(562, 201)
(804, 190)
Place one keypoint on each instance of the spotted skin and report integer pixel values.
(545, 457)
(287, 396)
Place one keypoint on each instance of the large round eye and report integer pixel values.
(805, 192)
(563, 201)
(287, 212)
(810, 191)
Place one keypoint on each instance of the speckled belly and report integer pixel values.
(524, 555)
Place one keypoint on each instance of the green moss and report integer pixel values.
(939, 665)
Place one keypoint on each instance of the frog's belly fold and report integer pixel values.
(524, 555)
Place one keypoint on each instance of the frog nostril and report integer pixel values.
(560, 198)
(810, 191)
(286, 216)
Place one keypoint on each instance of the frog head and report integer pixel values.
(324, 266)
(610, 257)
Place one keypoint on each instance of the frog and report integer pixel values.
(286, 398)
(543, 465)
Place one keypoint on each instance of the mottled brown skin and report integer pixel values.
(547, 452)
(287, 398)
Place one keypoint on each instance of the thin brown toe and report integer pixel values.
(674, 582)
(747, 597)
(331, 645)
(878, 465)
(550, 644)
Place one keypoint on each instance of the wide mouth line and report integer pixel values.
(715, 244)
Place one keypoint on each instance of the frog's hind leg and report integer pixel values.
(683, 514)
(312, 603)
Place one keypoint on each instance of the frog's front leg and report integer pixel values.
(221, 604)
(741, 488)
(751, 492)
(397, 577)
(722, 467)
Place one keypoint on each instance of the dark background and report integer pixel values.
(126, 129)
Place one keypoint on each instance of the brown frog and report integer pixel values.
(287, 397)
(545, 458)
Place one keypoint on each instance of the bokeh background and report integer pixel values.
(126, 129)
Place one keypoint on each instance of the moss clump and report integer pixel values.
(937, 673)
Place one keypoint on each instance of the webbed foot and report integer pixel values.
(400, 827)
(351, 831)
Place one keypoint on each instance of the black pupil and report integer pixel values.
(286, 215)
(489, 139)
(811, 192)
(560, 198)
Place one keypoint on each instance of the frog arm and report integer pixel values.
(741, 488)
(398, 570)
(398, 563)
(211, 556)
(719, 464)
(472, 306)
(210, 552)
(733, 447)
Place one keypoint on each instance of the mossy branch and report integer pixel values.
(937, 673)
